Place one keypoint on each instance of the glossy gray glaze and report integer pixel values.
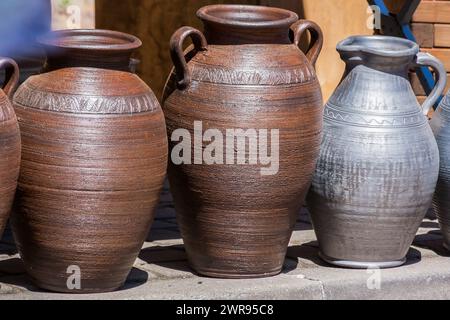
(441, 128)
(379, 161)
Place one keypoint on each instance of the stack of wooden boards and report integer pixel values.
(431, 26)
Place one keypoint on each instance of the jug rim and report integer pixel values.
(379, 45)
(90, 39)
(248, 16)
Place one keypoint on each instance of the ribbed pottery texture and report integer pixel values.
(94, 161)
(441, 128)
(9, 142)
(235, 222)
(377, 169)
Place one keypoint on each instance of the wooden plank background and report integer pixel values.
(73, 14)
(434, 35)
(431, 27)
(154, 21)
(338, 20)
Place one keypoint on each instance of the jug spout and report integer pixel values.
(384, 53)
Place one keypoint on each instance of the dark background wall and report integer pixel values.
(154, 21)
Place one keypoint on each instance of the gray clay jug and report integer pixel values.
(379, 161)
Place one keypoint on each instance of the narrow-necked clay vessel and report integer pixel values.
(245, 72)
(94, 162)
(379, 161)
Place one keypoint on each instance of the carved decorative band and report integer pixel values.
(339, 116)
(252, 77)
(58, 102)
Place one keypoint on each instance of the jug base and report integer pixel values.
(362, 265)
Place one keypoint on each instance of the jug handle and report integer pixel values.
(315, 47)
(427, 60)
(178, 56)
(11, 75)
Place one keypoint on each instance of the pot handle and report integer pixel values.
(11, 75)
(315, 47)
(427, 60)
(183, 73)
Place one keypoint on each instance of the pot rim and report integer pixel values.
(67, 39)
(403, 48)
(211, 13)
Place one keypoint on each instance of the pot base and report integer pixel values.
(230, 276)
(362, 265)
(64, 290)
(446, 246)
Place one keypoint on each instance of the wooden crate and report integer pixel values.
(431, 11)
(431, 26)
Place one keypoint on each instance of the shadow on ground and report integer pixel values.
(12, 272)
(310, 252)
(7, 244)
(433, 241)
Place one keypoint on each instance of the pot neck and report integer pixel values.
(89, 48)
(237, 24)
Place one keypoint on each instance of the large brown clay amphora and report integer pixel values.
(244, 116)
(94, 161)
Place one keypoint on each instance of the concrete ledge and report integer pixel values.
(162, 272)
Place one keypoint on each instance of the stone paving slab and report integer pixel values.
(162, 272)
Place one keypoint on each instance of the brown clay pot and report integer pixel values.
(9, 141)
(245, 71)
(94, 162)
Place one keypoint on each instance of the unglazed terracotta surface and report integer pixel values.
(245, 72)
(94, 161)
